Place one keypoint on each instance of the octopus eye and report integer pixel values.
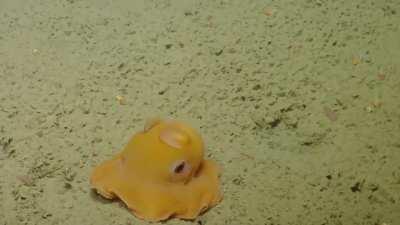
(180, 167)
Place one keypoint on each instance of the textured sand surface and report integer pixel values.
(298, 101)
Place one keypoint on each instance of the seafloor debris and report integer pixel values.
(332, 115)
(356, 60)
(5, 143)
(373, 105)
(268, 11)
(121, 100)
(26, 180)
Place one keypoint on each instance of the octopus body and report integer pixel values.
(161, 173)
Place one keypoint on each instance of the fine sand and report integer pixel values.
(297, 101)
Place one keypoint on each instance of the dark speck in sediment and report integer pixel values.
(356, 187)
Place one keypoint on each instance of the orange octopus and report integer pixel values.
(161, 173)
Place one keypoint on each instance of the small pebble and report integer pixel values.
(121, 100)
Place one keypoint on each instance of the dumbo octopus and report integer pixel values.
(161, 173)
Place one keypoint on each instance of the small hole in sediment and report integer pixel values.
(179, 168)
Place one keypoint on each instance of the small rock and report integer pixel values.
(69, 175)
(356, 187)
(257, 87)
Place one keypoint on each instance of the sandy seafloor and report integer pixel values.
(297, 100)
